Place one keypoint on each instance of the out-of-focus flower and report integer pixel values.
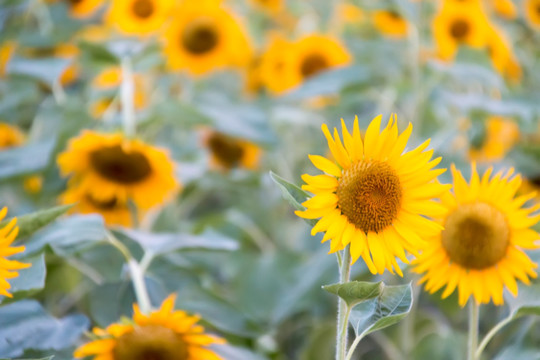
(271, 6)
(139, 17)
(274, 62)
(390, 23)
(479, 252)
(375, 197)
(10, 136)
(459, 23)
(33, 184)
(502, 56)
(164, 334)
(504, 8)
(8, 233)
(81, 8)
(203, 36)
(109, 166)
(349, 13)
(532, 12)
(68, 51)
(6, 51)
(229, 152)
(501, 135)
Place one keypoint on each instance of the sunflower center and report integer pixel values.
(313, 64)
(394, 14)
(226, 149)
(143, 8)
(199, 38)
(114, 164)
(369, 195)
(74, 2)
(100, 204)
(460, 29)
(150, 342)
(476, 235)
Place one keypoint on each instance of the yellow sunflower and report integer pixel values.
(7, 235)
(480, 250)
(114, 212)
(68, 51)
(274, 63)
(203, 36)
(108, 166)
(390, 23)
(139, 17)
(532, 11)
(314, 54)
(501, 135)
(375, 197)
(6, 51)
(82, 8)
(271, 6)
(228, 152)
(33, 184)
(164, 334)
(10, 136)
(459, 23)
(502, 56)
(349, 13)
(505, 8)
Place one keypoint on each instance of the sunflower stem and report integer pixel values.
(490, 335)
(472, 344)
(137, 278)
(127, 90)
(343, 309)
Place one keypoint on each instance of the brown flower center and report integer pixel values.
(226, 149)
(369, 195)
(114, 164)
(74, 2)
(476, 235)
(150, 342)
(199, 37)
(143, 8)
(459, 29)
(313, 64)
(535, 181)
(103, 205)
(394, 14)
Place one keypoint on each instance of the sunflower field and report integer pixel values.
(269, 179)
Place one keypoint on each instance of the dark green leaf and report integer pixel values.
(25, 159)
(98, 53)
(30, 223)
(355, 292)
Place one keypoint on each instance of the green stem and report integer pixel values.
(343, 309)
(137, 277)
(353, 346)
(490, 335)
(127, 90)
(472, 344)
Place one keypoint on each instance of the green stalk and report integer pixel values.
(343, 309)
(472, 344)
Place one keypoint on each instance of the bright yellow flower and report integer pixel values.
(8, 233)
(502, 56)
(228, 152)
(83, 8)
(390, 23)
(532, 12)
(275, 61)
(164, 334)
(375, 197)
(480, 250)
(459, 23)
(6, 51)
(501, 135)
(349, 13)
(505, 8)
(271, 6)
(139, 17)
(108, 166)
(68, 51)
(109, 77)
(203, 37)
(10, 136)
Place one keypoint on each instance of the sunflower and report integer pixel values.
(228, 152)
(501, 135)
(505, 8)
(349, 13)
(107, 78)
(108, 166)
(275, 61)
(481, 247)
(271, 6)
(139, 17)
(502, 56)
(33, 184)
(459, 23)
(10, 136)
(203, 36)
(68, 51)
(164, 334)
(6, 51)
(8, 233)
(114, 211)
(375, 196)
(390, 23)
(82, 8)
(314, 54)
(532, 11)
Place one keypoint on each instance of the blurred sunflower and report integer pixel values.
(81, 8)
(6, 51)
(502, 56)
(114, 212)
(349, 13)
(107, 78)
(68, 51)
(108, 166)
(480, 249)
(275, 61)
(228, 152)
(164, 334)
(390, 23)
(501, 135)
(505, 8)
(314, 54)
(532, 12)
(139, 17)
(271, 6)
(8, 233)
(203, 37)
(376, 196)
(459, 23)
(10, 136)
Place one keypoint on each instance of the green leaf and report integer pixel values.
(30, 223)
(355, 292)
(528, 300)
(233, 352)
(30, 279)
(25, 159)
(292, 193)
(391, 305)
(98, 53)
(45, 358)
(26, 325)
(47, 70)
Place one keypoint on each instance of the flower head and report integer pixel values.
(390, 23)
(375, 196)
(139, 17)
